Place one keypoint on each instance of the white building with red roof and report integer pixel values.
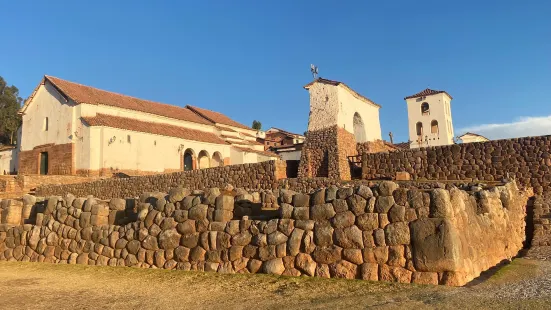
(70, 128)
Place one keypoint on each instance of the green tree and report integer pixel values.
(257, 125)
(10, 103)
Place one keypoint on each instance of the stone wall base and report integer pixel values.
(60, 159)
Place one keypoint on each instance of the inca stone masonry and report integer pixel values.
(382, 232)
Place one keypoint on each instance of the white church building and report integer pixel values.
(73, 129)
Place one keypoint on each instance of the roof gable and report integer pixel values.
(428, 92)
(153, 128)
(216, 117)
(85, 94)
(337, 83)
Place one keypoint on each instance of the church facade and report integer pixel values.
(73, 129)
(340, 118)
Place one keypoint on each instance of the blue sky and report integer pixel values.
(250, 59)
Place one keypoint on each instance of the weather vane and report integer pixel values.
(314, 71)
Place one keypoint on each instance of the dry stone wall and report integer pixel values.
(381, 233)
(325, 154)
(262, 175)
(542, 220)
(528, 160)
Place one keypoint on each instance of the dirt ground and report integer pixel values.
(523, 284)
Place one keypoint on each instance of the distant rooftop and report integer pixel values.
(428, 92)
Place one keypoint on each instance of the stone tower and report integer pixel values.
(339, 119)
(429, 118)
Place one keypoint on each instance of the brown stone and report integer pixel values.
(343, 269)
(322, 212)
(425, 278)
(350, 238)
(274, 266)
(369, 271)
(353, 255)
(397, 233)
(168, 239)
(306, 264)
(343, 219)
(327, 255)
(394, 274)
(368, 221)
(356, 204)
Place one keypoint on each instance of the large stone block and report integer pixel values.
(435, 245)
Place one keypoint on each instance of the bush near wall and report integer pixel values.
(528, 160)
(382, 233)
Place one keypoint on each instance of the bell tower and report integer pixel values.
(339, 119)
(429, 118)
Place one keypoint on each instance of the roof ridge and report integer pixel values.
(112, 92)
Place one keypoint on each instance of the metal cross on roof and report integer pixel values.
(314, 71)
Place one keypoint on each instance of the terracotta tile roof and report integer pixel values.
(265, 153)
(337, 83)
(226, 128)
(216, 117)
(286, 132)
(401, 145)
(248, 135)
(153, 128)
(241, 141)
(472, 134)
(85, 94)
(428, 92)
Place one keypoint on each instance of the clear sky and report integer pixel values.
(250, 59)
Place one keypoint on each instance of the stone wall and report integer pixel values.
(262, 175)
(542, 220)
(325, 152)
(60, 159)
(528, 160)
(3, 185)
(381, 233)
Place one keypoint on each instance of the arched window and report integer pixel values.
(189, 158)
(434, 126)
(359, 129)
(217, 160)
(425, 109)
(203, 159)
(419, 128)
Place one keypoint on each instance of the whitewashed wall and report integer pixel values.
(47, 103)
(8, 161)
(440, 110)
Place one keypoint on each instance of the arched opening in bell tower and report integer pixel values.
(359, 129)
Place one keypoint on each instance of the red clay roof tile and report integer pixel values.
(86, 94)
(153, 128)
(427, 92)
(217, 117)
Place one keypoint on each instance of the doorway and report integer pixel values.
(44, 163)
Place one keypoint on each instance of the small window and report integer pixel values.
(419, 128)
(434, 127)
(425, 108)
(128, 139)
(46, 124)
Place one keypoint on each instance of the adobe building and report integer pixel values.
(430, 118)
(73, 129)
(339, 119)
(275, 137)
(470, 137)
